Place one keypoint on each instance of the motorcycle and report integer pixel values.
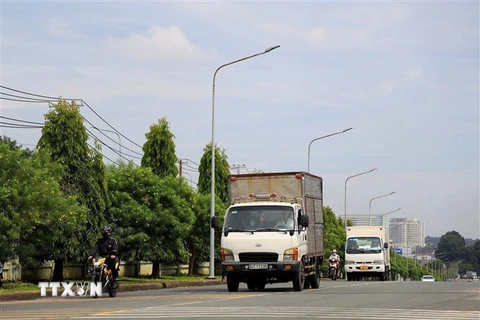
(333, 268)
(101, 273)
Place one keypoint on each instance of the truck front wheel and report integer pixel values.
(232, 283)
(299, 278)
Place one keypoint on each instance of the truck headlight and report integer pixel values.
(290, 254)
(226, 254)
(349, 262)
(378, 262)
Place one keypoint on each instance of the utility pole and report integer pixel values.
(180, 167)
(238, 167)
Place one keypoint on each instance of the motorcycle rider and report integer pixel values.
(335, 255)
(107, 247)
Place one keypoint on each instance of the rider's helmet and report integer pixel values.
(334, 251)
(107, 232)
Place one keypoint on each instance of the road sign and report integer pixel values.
(399, 251)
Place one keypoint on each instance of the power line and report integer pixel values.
(24, 121)
(20, 126)
(104, 156)
(113, 140)
(36, 95)
(190, 170)
(190, 161)
(111, 126)
(30, 101)
(56, 99)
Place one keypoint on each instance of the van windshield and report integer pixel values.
(259, 218)
(364, 245)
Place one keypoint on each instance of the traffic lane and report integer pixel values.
(370, 294)
(377, 297)
(406, 295)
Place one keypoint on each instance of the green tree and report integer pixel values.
(334, 233)
(12, 145)
(35, 213)
(222, 171)
(152, 215)
(159, 150)
(198, 241)
(64, 138)
(451, 246)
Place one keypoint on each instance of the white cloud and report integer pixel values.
(315, 35)
(412, 73)
(326, 38)
(63, 30)
(386, 88)
(279, 29)
(159, 43)
(58, 29)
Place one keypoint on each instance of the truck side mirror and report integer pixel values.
(213, 222)
(305, 221)
(385, 245)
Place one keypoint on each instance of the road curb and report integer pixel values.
(32, 295)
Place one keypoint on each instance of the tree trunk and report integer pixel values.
(191, 265)
(156, 269)
(58, 270)
(138, 265)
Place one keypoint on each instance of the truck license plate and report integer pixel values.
(363, 267)
(258, 266)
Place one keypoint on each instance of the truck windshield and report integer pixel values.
(259, 218)
(364, 245)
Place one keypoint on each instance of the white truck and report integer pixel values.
(273, 230)
(367, 253)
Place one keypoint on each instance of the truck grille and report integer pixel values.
(258, 257)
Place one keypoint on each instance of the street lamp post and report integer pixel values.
(345, 194)
(212, 187)
(328, 135)
(370, 204)
(119, 140)
(383, 215)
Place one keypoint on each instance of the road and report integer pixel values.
(334, 300)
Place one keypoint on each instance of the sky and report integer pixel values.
(404, 75)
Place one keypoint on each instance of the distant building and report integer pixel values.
(366, 220)
(407, 234)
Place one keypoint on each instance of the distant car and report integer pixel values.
(427, 278)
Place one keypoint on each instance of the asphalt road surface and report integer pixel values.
(334, 300)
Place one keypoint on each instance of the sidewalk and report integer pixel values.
(32, 295)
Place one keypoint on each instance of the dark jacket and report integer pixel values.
(105, 247)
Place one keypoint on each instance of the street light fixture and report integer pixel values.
(328, 135)
(370, 204)
(345, 194)
(383, 215)
(212, 187)
(119, 140)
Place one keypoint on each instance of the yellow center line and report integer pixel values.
(243, 296)
(106, 313)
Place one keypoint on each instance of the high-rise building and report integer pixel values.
(407, 234)
(366, 220)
